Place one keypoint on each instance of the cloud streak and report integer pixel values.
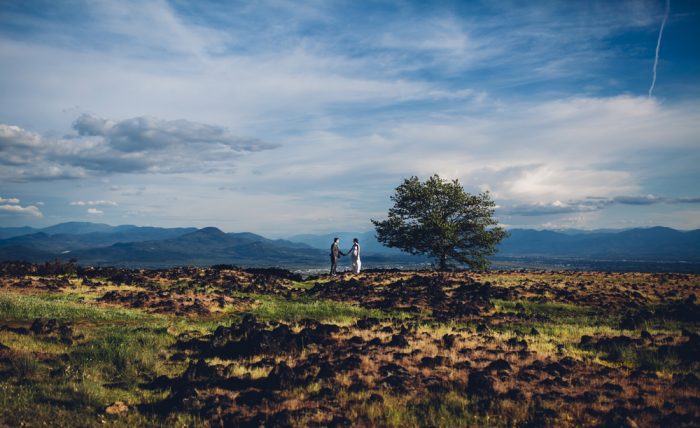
(658, 47)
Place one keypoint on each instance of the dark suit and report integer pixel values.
(335, 255)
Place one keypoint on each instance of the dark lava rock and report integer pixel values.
(350, 363)
(689, 351)
(375, 398)
(398, 340)
(499, 365)
(437, 388)
(375, 342)
(51, 326)
(586, 341)
(367, 323)
(282, 377)
(391, 368)
(322, 394)
(339, 421)
(619, 417)
(432, 362)
(686, 310)
(688, 380)
(356, 340)
(480, 384)
(256, 397)
(540, 416)
(515, 394)
(589, 397)
(568, 362)
(612, 387)
(556, 369)
(178, 356)
(201, 372)
(325, 371)
(634, 320)
(357, 387)
(252, 338)
(449, 340)
(514, 343)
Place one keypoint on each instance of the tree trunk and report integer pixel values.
(442, 266)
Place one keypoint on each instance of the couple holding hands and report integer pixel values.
(354, 255)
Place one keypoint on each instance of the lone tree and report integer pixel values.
(440, 219)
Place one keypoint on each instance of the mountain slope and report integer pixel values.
(60, 242)
(202, 247)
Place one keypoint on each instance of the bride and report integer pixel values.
(355, 256)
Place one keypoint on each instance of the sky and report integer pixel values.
(286, 117)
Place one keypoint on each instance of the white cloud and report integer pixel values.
(146, 134)
(9, 200)
(94, 203)
(94, 211)
(11, 206)
(132, 145)
(30, 210)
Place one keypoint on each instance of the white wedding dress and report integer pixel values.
(355, 257)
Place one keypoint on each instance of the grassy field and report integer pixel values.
(210, 347)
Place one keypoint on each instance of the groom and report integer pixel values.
(335, 255)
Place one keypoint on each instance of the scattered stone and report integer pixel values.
(117, 408)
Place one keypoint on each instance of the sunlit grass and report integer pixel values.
(25, 307)
(272, 308)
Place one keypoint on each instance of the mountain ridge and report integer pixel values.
(128, 245)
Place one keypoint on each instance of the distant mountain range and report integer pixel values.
(101, 244)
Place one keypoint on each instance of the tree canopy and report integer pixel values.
(439, 219)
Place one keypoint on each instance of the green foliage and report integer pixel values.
(440, 219)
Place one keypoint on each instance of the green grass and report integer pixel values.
(59, 404)
(123, 354)
(451, 409)
(559, 312)
(23, 307)
(272, 308)
(107, 366)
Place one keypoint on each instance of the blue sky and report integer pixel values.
(283, 117)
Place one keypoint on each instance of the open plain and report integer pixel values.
(225, 346)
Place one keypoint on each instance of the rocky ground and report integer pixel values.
(224, 346)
